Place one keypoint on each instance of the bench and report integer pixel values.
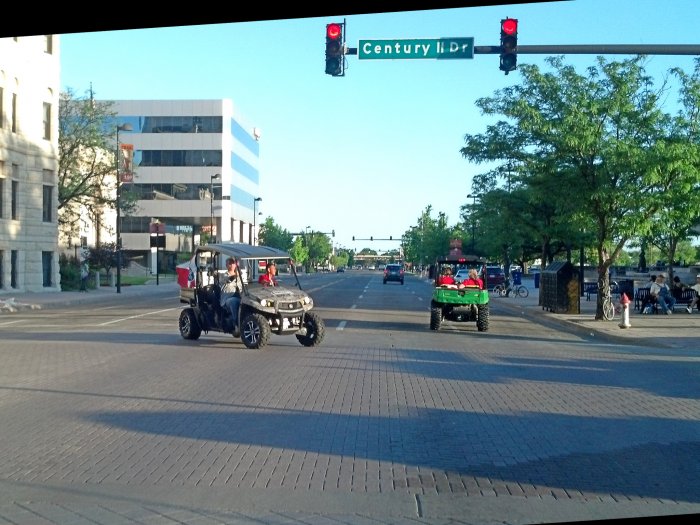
(640, 298)
(642, 295)
(590, 289)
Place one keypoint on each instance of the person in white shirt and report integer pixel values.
(695, 287)
(661, 293)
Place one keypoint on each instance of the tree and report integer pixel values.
(86, 167)
(271, 234)
(603, 138)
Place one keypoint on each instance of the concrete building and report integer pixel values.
(29, 98)
(195, 172)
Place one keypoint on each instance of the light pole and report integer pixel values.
(474, 197)
(121, 127)
(255, 202)
(214, 177)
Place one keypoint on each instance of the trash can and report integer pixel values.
(517, 277)
(560, 288)
(537, 279)
(626, 286)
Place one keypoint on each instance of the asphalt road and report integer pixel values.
(109, 416)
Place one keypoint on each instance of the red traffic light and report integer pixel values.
(333, 31)
(509, 26)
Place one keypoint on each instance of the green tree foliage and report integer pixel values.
(272, 234)
(86, 166)
(422, 244)
(595, 152)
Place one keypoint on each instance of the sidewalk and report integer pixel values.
(680, 330)
(14, 302)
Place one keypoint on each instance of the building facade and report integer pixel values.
(29, 98)
(192, 169)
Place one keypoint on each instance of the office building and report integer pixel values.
(195, 172)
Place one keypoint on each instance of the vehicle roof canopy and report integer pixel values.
(461, 259)
(241, 250)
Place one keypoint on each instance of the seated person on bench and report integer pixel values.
(660, 291)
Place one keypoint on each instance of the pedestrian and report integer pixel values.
(695, 287)
(84, 274)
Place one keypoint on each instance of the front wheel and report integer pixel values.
(315, 330)
(608, 310)
(522, 291)
(188, 324)
(255, 331)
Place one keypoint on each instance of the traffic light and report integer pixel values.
(335, 64)
(509, 44)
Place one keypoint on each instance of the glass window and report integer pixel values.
(49, 44)
(46, 265)
(15, 203)
(2, 269)
(14, 270)
(14, 112)
(47, 121)
(47, 204)
(2, 107)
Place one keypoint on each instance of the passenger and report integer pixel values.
(268, 278)
(474, 279)
(662, 294)
(446, 277)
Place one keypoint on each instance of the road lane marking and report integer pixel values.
(341, 325)
(137, 316)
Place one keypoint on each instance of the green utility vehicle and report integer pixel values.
(459, 302)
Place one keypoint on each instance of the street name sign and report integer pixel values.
(438, 48)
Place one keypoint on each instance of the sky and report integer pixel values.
(365, 154)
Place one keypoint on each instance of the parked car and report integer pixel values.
(393, 272)
(494, 275)
(461, 275)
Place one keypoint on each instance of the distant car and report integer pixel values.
(494, 275)
(461, 275)
(393, 272)
(340, 270)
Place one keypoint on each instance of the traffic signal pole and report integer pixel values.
(598, 49)
(593, 49)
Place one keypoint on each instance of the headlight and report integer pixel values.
(265, 303)
(307, 300)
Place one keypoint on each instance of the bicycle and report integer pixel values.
(516, 291)
(611, 309)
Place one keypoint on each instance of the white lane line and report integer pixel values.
(341, 325)
(137, 316)
(11, 322)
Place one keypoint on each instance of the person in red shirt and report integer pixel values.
(474, 279)
(268, 278)
(446, 277)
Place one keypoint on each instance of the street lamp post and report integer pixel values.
(255, 236)
(121, 127)
(214, 177)
(472, 196)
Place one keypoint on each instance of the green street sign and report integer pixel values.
(439, 48)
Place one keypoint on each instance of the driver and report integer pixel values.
(231, 290)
